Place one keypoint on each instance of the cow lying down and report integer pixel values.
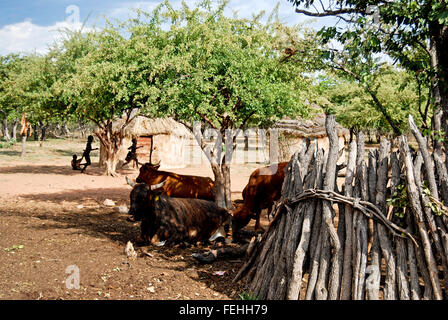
(174, 220)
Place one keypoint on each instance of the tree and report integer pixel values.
(397, 91)
(415, 33)
(9, 65)
(225, 74)
(109, 81)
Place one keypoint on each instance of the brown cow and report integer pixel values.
(177, 185)
(173, 220)
(264, 187)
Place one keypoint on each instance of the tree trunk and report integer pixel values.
(23, 145)
(111, 164)
(225, 168)
(220, 185)
(43, 129)
(111, 142)
(35, 133)
(5, 129)
(15, 123)
(65, 130)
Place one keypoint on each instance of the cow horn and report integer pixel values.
(130, 182)
(220, 232)
(157, 186)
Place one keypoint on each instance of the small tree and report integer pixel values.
(226, 74)
(111, 80)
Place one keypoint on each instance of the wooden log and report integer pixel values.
(346, 286)
(374, 268)
(288, 238)
(442, 250)
(315, 246)
(360, 224)
(415, 204)
(400, 243)
(321, 290)
(302, 248)
(305, 160)
(276, 282)
(329, 182)
(385, 243)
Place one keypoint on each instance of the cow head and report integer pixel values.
(240, 218)
(146, 171)
(142, 199)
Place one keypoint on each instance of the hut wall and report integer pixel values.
(169, 149)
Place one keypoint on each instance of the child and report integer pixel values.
(86, 153)
(132, 154)
(76, 164)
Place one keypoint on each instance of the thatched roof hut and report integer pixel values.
(161, 139)
(143, 126)
(294, 133)
(312, 128)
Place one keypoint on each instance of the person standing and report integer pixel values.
(86, 154)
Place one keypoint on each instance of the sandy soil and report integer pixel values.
(52, 217)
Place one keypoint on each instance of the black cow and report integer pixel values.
(174, 220)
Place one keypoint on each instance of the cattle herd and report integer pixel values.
(176, 208)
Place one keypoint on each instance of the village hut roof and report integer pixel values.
(143, 126)
(308, 128)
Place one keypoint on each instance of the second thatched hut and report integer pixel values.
(162, 139)
(293, 134)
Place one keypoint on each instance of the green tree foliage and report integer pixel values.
(111, 80)
(193, 64)
(396, 90)
(413, 33)
(226, 73)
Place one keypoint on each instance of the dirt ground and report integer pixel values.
(52, 217)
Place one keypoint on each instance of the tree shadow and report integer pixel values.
(97, 221)
(101, 222)
(51, 169)
(93, 222)
(96, 194)
(204, 272)
(9, 153)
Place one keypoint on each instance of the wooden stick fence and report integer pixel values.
(383, 236)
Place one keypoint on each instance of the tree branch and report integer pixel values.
(328, 13)
(375, 99)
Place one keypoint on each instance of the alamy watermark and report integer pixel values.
(73, 15)
(73, 279)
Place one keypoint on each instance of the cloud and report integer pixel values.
(27, 37)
